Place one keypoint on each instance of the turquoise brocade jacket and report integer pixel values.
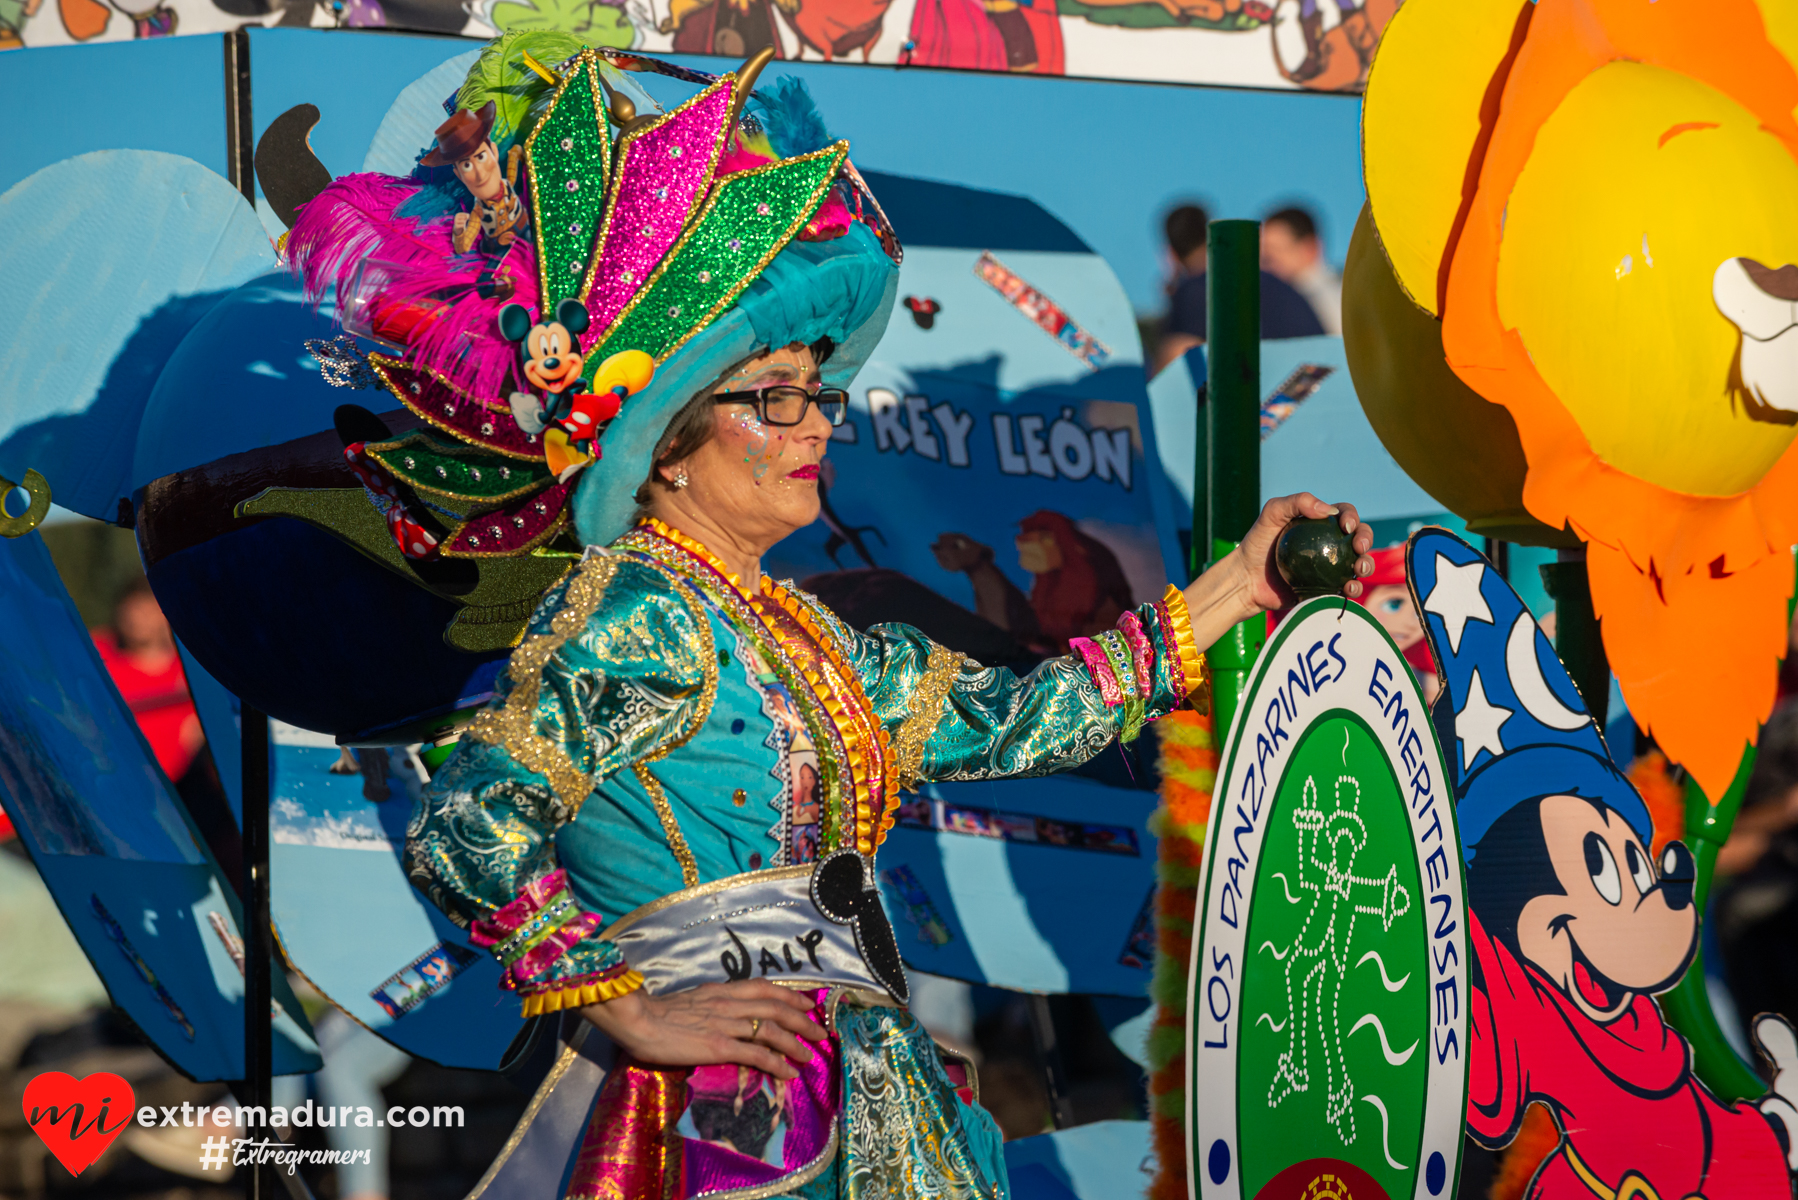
(660, 728)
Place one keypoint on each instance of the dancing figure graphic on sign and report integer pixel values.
(1317, 961)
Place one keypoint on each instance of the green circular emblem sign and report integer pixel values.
(1327, 1019)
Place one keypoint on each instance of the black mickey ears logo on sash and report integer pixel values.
(843, 889)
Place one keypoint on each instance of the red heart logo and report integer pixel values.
(75, 1117)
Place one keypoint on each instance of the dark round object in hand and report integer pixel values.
(1315, 557)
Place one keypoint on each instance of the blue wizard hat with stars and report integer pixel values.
(1513, 726)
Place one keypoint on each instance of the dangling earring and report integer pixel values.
(680, 478)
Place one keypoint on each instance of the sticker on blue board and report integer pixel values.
(1327, 1025)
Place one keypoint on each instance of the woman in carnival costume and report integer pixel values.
(668, 817)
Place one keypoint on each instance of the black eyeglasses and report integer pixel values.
(784, 404)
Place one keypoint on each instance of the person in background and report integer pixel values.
(1292, 249)
(139, 653)
(1755, 909)
(1284, 313)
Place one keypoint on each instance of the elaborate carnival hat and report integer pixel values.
(697, 237)
(1512, 723)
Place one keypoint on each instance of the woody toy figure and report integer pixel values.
(465, 142)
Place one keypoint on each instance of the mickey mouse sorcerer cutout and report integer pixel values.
(1574, 926)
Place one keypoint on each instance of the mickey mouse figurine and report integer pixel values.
(550, 359)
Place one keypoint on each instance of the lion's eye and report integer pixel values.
(1603, 869)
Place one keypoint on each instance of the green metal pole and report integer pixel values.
(1198, 553)
(1577, 641)
(1232, 433)
(1687, 1006)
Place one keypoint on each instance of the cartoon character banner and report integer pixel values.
(1317, 45)
(1576, 925)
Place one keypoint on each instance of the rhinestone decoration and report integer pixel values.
(657, 191)
(340, 364)
(431, 462)
(674, 152)
(510, 529)
(570, 155)
(428, 397)
(720, 255)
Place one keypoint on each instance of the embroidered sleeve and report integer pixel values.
(616, 664)
(949, 718)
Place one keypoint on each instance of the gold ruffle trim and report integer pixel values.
(513, 726)
(925, 712)
(1192, 662)
(582, 995)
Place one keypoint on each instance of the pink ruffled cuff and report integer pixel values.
(1099, 667)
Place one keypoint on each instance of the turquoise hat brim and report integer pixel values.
(843, 289)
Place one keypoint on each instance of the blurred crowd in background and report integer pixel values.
(1301, 291)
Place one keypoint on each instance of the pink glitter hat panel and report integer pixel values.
(662, 175)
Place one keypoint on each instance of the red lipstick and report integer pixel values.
(807, 472)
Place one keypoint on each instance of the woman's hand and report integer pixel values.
(752, 1022)
(1246, 583)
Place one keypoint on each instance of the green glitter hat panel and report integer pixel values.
(570, 154)
(745, 224)
(457, 470)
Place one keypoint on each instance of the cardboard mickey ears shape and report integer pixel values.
(571, 314)
(514, 322)
(843, 889)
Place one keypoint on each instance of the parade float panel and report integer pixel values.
(1315, 436)
(995, 484)
(108, 259)
(1327, 1021)
(1588, 205)
(1580, 914)
(1284, 44)
(337, 832)
(1263, 149)
(115, 847)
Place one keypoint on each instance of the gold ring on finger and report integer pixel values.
(755, 1025)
